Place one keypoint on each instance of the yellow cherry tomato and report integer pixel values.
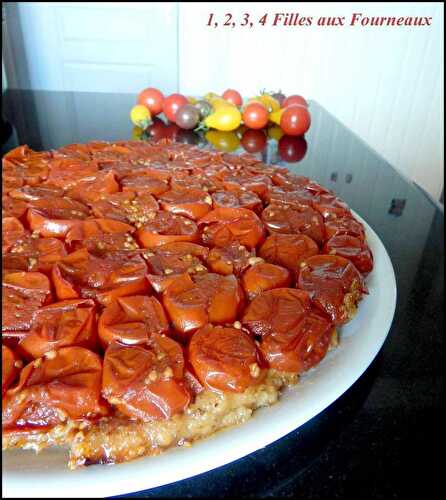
(271, 104)
(223, 141)
(140, 116)
(275, 132)
(137, 133)
(210, 95)
(226, 118)
(276, 116)
(192, 100)
(219, 102)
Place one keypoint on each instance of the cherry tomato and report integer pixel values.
(50, 389)
(167, 262)
(279, 97)
(192, 203)
(187, 117)
(302, 347)
(288, 250)
(225, 359)
(264, 276)
(132, 320)
(157, 130)
(292, 149)
(165, 227)
(294, 99)
(294, 220)
(231, 259)
(353, 249)
(227, 225)
(335, 285)
(146, 382)
(153, 99)
(255, 116)
(233, 97)
(254, 141)
(193, 301)
(62, 324)
(295, 120)
(172, 104)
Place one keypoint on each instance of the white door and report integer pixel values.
(93, 46)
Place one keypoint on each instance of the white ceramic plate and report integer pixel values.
(46, 475)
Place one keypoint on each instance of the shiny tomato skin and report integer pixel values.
(255, 116)
(353, 249)
(230, 259)
(288, 250)
(292, 149)
(11, 364)
(157, 130)
(233, 97)
(295, 120)
(237, 199)
(192, 203)
(294, 99)
(153, 99)
(344, 225)
(61, 324)
(299, 349)
(254, 141)
(50, 389)
(132, 320)
(225, 359)
(192, 302)
(172, 104)
(146, 382)
(335, 286)
(264, 276)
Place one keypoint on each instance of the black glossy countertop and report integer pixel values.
(382, 438)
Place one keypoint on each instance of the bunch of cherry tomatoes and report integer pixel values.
(225, 113)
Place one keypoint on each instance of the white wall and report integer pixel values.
(385, 83)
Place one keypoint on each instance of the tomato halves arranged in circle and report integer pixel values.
(89, 191)
(62, 324)
(344, 225)
(165, 227)
(294, 220)
(237, 199)
(146, 382)
(132, 320)
(264, 276)
(225, 359)
(288, 250)
(224, 226)
(193, 301)
(353, 249)
(167, 262)
(335, 285)
(12, 232)
(65, 384)
(68, 172)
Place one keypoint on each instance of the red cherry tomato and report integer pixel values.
(152, 99)
(254, 141)
(157, 130)
(172, 104)
(233, 97)
(292, 149)
(255, 116)
(294, 99)
(295, 120)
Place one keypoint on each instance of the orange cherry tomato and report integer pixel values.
(335, 285)
(165, 227)
(288, 250)
(132, 320)
(50, 389)
(263, 276)
(62, 324)
(153, 99)
(146, 382)
(255, 116)
(225, 359)
(193, 301)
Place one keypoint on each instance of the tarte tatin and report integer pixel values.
(155, 293)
